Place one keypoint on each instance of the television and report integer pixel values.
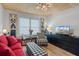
(63, 29)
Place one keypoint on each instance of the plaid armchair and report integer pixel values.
(41, 39)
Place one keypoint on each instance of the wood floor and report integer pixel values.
(53, 50)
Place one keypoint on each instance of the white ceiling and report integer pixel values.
(31, 8)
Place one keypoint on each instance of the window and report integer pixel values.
(35, 26)
(25, 24)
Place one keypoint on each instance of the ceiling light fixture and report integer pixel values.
(43, 6)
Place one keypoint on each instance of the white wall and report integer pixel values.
(1, 18)
(68, 17)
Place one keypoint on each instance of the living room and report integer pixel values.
(42, 29)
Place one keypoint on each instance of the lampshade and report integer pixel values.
(5, 31)
(49, 28)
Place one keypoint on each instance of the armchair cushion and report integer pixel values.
(41, 39)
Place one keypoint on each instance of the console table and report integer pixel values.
(34, 50)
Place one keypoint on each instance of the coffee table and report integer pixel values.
(34, 50)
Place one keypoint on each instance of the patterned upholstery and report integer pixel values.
(34, 50)
(41, 39)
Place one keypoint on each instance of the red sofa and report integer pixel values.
(10, 46)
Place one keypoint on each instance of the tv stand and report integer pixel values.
(66, 42)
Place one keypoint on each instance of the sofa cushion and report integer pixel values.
(5, 50)
(11, 40)
(16, 46)
(3, 39)
(19, 52)
(19, 40)
(17, 49)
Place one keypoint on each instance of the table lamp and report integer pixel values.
(5, 32)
